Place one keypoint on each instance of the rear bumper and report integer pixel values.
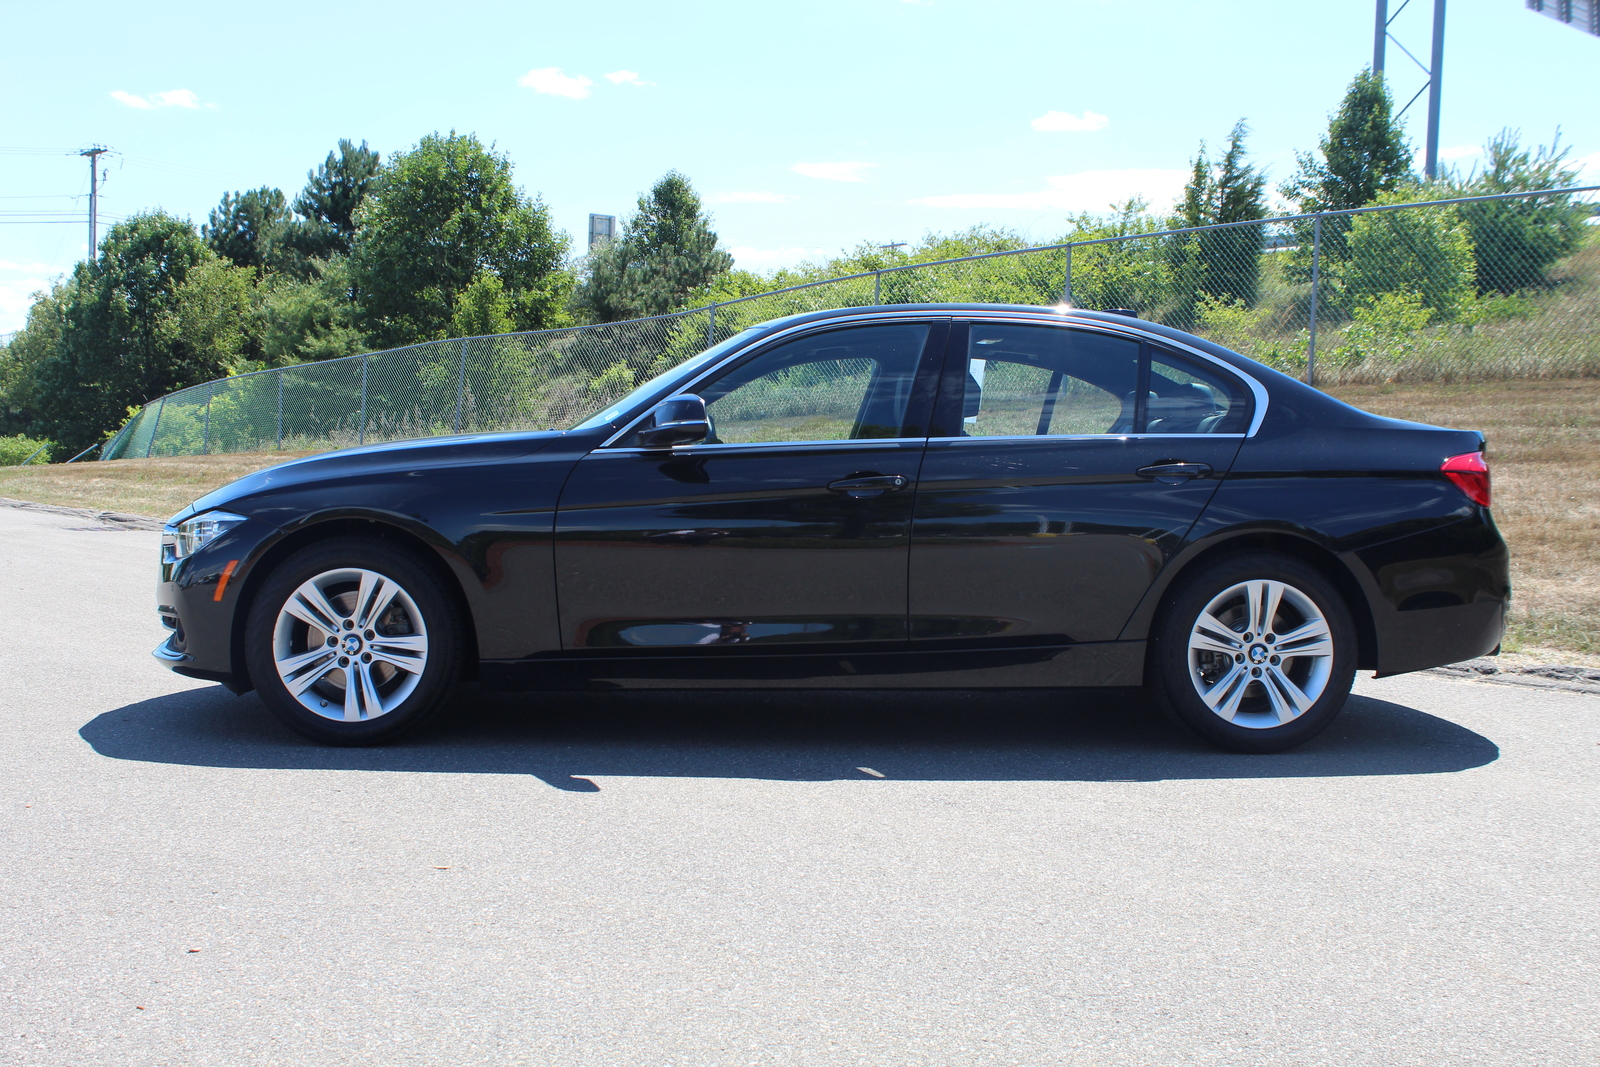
(1437, 597)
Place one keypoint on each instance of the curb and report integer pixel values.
(107, 520)
(1565, 678)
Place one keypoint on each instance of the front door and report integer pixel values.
(1070, 464)
(788, 529)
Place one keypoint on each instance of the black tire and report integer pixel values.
(1257, 702)
(429, 647)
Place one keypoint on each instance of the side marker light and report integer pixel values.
(222, 582)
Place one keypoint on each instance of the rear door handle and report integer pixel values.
(870, 485)
(1174, 472)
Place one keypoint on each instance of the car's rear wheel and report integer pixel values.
(353, 642)
(1254, 653)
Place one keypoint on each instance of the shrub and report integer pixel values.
(15, 451)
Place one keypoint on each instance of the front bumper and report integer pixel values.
(199, 599)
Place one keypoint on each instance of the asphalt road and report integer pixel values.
(966, 878)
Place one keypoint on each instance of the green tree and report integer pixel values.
(1363, 155)
(665, 252)
(482, 309)
(301, 322)
(1516, 241)
(29, 350)
(1224, 265)
(129, 331)
(1422, 253)
(247, 228)
(333, 194)
(436, 218)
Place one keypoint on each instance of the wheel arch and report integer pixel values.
(1300, 546)
(426, 553)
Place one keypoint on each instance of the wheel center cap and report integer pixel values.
(1258, 653)
(352, 644)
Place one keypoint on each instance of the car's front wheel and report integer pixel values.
(353, 642)
(1254, 653)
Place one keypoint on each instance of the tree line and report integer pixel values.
(438, 241)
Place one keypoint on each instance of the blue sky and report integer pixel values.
(808, 127)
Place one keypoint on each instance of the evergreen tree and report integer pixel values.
(1363, 155)
(665, 252)
(436, 218)
(1225, 264)
(247, 228)
(331, 197)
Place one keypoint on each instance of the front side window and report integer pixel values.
(1027, 380)
(839, 385)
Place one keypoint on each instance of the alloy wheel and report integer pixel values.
(350, 644)
(1260, 654)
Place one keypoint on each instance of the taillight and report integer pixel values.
(1470, 474)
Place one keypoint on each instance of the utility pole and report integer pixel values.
(94, 152)
(1380, 37)
(1435, 73)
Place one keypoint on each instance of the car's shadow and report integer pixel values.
(569, 739)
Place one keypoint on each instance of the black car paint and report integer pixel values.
(1359, 494)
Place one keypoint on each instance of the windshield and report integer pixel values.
(682, 370)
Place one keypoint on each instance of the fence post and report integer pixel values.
(1066, 286)
(461, 384)
(362, 439)
(161, 405)
(280, 408)
(877, 287)
(205, 440)
(1316, 295)
(711, 327)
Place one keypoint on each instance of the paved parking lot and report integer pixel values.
(707, 879)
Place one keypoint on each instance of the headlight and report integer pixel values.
(191, 535)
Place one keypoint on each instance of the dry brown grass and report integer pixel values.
(153, 487)
(1544, 451)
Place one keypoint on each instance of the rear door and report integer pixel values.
(1067, 465)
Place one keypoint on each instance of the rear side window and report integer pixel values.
(1183, 397)
(1025, 380)
(1031, 380)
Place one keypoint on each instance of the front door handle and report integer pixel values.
(866, 486)
(1174, 472)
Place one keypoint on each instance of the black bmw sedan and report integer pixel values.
(934, 496)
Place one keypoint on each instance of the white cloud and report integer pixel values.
(751, 198)
(31, 268)
(1589, 169)
(1465, 151)
(183, 98)
(759, 258)
(1090, 190)
(1057, 121)
(627, 77)
(833, 172)
(551, 81)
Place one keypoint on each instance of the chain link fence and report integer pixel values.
(1476, 288)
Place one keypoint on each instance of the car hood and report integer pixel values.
(388, 458)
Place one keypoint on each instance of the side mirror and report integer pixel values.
(677, 420)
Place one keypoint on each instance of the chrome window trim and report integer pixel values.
(1258, 390)
(775, 446)
(1064, 318)
(762, 343)
(1092, 437)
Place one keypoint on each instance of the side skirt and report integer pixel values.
(1102, 664)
